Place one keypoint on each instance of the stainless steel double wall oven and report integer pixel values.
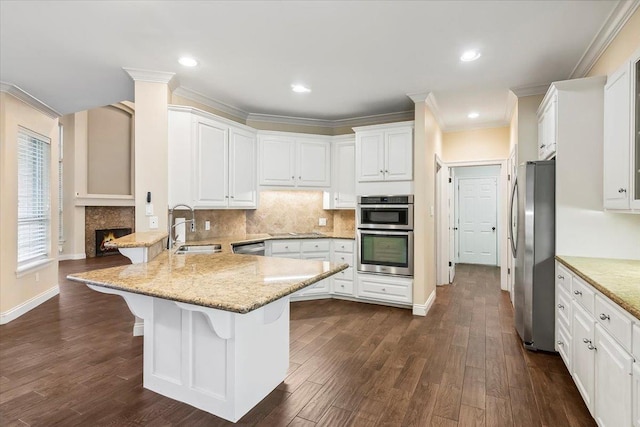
(385, 234)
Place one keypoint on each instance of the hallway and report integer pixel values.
(73, 361)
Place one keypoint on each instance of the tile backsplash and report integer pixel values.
(278, 212)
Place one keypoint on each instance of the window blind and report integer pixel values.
(34, 214)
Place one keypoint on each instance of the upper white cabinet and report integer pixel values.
(384, 152)
(548, 125)
(212, 162)
(622, 137)
(343, 173)
(291, 160)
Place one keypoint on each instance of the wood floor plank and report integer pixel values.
(471, 417)
(448, 402)
(335, 417)
(498, 412)
(473, 389)
(421, 405)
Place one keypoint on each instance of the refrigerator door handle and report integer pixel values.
(511, 237)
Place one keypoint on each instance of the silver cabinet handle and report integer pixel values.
(286, 247)
(342, 286)
(232, 197)
(591, 346)
(586, 341)
(299, 177)
(384, 290)
(226, 197)
(561, 307)
(559, 343)
(604, 316)
(386, 171)
(381, 171)
(543, 145)
(622, 190)
(577, 293)
(560, 276)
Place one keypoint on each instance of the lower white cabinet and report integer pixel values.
(385, 288)
(596, 341)
(583, 354)
(342, 253)
(613, 378)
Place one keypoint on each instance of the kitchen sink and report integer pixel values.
(199, 249)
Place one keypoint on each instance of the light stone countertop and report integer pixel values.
(618, 279)
(225, 281)
(137, 240)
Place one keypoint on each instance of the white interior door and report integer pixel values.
(478, 220)
(452, 225)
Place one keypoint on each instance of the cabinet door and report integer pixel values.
(398, 155)
(181, 132)
(277, 161)
(613, 384)
(321, 287)
(345, 175)
(210, 160)
(635, 393)
(541, 137)
(242, 169)
(370, 156)
(550, 124)
(617, 139)
(583, 357)
(314, 163)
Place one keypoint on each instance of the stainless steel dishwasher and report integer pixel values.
(253, 248)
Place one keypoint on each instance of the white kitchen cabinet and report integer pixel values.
(548, 125)
(635, 393)
(343, 176)
(621, 190)
(342, 253)
(212, 162)
(384, 152)
(583, 354)
(385, 288)
(292, 160)
(613, 380)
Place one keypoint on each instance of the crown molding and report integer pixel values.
(609, 30)
(512, 100)
(530, 90)
(150, 76)
(352, 122)
(419, 96)
(34, 102)
(435, 110)
(205, 100)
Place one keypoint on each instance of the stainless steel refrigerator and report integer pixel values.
(533, 245)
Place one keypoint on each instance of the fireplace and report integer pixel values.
(107, 235)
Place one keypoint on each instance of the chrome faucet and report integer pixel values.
(173, 226)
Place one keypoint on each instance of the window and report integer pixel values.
(34, 215)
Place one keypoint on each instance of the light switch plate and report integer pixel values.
(207, 225)
(322, 222)
(153, 222)
(149, 209)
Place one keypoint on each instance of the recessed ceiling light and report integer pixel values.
(470, 55)
(300, 89)
(473, 115)
(187, 61)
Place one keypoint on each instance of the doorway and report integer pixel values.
(476, 214)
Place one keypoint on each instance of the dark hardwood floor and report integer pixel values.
(73, 361)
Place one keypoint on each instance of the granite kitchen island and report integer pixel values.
(216, 326)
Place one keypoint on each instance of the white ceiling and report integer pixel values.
(359, 58)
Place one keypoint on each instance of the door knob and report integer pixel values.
(622, 190)
(493, 229)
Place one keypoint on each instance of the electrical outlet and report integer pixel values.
(322, 222)
(37, 277)
(193, 226)
(149, 209)
(207, 225)
(153, 222)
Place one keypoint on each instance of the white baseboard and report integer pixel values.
(26, 306)
(67, 257)
(138, 329)
(423, 309)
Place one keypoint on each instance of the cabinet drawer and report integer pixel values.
(344, 274)
(344, 287)
(583, 294)
(563, 344)
(613, 319)
(315, 245)
(380, 289)
(343, 246)
(563, 278)
(285, 246)
(563, 308)
(340, 258)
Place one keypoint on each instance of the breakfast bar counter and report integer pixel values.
(216, 326)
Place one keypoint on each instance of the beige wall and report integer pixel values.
(528, 127)
(476, 145)
(151, 152)
(16, 291)
(109, 151)
(620, 49)
(427, 138)
(513, 129)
